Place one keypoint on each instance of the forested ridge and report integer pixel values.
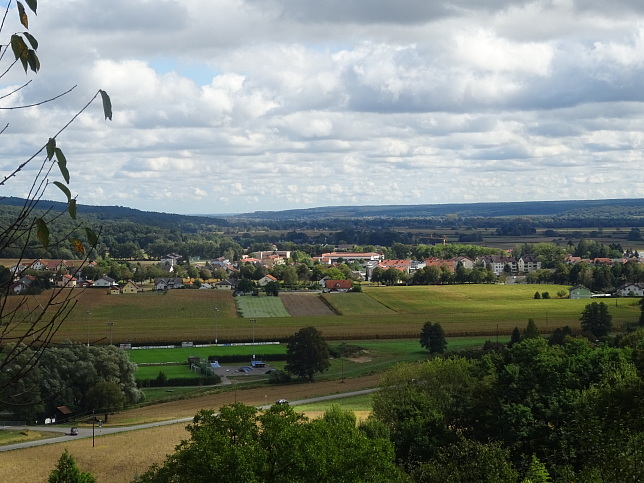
(133, 234)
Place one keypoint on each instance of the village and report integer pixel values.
(336, 271)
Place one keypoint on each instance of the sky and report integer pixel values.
(231, 106)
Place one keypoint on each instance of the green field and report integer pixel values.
(172, 371)
(181, 354)
(262, 306)
(357, 304)
(487, 305)
(375, 356)
(378, 312)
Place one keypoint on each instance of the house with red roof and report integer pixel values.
(337, 285)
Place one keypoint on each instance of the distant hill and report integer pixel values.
(631, 209)
(634, 207)
(121, 213)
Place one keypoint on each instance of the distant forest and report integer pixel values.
(133, 234)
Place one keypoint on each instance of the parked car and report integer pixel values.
(281, 401)
(73, 432)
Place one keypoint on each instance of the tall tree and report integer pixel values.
(307, 353)
(596, 319)
(531, 330)
(432, 338)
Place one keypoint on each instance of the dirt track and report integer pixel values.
(258, 396)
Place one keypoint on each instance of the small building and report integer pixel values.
(104, 282)
(62, 414)
(338, 285)
(266, 279)
(579, 292)
(131, 287)
(168, 283)
(225, 284)
(66, 281)
(631, 290)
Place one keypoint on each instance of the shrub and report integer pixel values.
(279, 377)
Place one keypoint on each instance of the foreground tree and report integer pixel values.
(432, 338)
(468, 460)
(307, 353)
(26, 322)
(596, 320)
(66, 471)
(240, 444)
(75, 375)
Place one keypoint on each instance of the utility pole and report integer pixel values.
(253, 321)
(216, 323)
(110, 324)
(88, 314)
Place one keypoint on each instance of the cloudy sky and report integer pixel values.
(233, 106)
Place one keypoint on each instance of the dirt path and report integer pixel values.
(257, 396)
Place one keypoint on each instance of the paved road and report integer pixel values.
(87, 432)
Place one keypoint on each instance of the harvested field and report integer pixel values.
(120, 457)
(257, 396)
(115, 458)
(305, 304)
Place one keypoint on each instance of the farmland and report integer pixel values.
(379, 312)
(252, 307)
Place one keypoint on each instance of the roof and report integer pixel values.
(64, 409)
(338, 284)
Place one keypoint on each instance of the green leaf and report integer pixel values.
(72, 209)
(23, 16)
(31, 39)
(62, 164)
(20, 49)
(43, 232)
(91, 237)
(107, 104)
(64, 189)
(51, 148)
(32, 59)
(32, 4)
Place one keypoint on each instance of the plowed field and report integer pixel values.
(305, 305)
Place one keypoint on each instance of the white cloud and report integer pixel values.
(262, 105)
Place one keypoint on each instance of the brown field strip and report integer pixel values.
(305, 304)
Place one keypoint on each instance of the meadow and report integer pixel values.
(261, 306)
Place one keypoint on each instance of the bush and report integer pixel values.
(279, 377)
(162, 378)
